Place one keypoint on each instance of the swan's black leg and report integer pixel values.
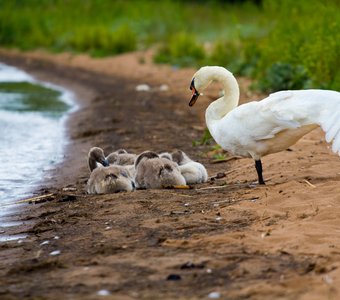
(258, 166)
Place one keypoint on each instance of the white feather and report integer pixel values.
(271, 125)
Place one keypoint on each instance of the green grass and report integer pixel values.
(306, 36)
(281, 44)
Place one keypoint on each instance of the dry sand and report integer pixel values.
(279, 241)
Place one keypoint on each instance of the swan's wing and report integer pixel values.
(320, 107)
(264, 119)
(293, 109)
(280, 112)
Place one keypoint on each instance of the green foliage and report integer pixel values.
(99, 42)
(181, 49)
(295, 39)
(226, 53)
(235, 56)
(306, 36)
(284, 76)
(206, 139)
(219, 156)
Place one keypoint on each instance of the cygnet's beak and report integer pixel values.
(105, 163)
(195, 93)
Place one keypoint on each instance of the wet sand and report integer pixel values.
(279, 241)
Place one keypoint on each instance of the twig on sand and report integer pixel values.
(311, 185)
(219, 175)
(178, 187)
(183, 195)
(35, 199)
(223, 201)
(44, 198)
(217, 161)
(213, 187)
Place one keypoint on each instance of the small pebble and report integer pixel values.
(108, 228)
(20, 241)
(214, 295)
(209, 271)
(54, 253)
(328, 279)
(164, 88)
(220, 175)
(44, 243)
(142, 88)
(186, 204)
(218, 219)
(103, 293)
(56, 237)
(69, 189)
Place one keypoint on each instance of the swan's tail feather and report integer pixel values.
(331, 126)
(336, 144)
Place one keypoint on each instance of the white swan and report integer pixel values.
(154, 172)
(259, 128)
(193, 172)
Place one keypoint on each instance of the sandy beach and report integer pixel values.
(225, 238)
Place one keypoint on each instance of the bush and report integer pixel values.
(246, 38)
(304, 33)
(181, 49)
(284, 76)
(100, 41)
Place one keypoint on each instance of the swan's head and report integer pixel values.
(95, 155)
(199, 82)
(116, 180)
(178, 156)
(145, 155)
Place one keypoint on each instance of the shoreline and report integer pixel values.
(242, 242)
(69, 71)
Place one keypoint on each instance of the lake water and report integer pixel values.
(32, 132)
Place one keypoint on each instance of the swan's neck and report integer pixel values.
(222, 106)
(92, 164)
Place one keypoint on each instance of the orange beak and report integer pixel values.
(195, 93)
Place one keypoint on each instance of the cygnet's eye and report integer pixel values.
(168, 167)
(123, 173)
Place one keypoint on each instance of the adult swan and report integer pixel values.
(268, 126)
